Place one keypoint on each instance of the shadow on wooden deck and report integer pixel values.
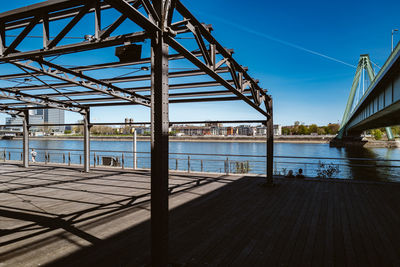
(296, 223)
(217, 221)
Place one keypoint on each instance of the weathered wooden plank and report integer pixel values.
(338, 240)
(349, 216)
(313, 230)
(282, 224)
(226, 220)
(220, 212)
(378, 218)
(319, 248)
(302, 228)
(265, 228)
(261, 225)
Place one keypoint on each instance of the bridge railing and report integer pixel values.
(324, 167)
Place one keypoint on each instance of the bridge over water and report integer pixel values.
(376, 105)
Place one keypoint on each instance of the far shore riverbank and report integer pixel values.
(294, 139)
(243, 139)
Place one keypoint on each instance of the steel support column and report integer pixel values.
(86, 141)
(159, 144)
(389, 134)
(270, 144)
(134, 149)
(25, 140)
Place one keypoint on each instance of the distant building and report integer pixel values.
(13, 120)
(54, 116)
(217, 130)
(230, 131)
(246, 130)
(261, 130)
(277, 129)
(128, 127)
(191, 130)
(41, 116)
(129, 120)
(223, 131)
(214, 130)
(141, 130)
(213, 124)
(36, 119)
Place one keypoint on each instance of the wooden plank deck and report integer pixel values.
(63, 217)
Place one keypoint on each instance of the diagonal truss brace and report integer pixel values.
(80, 79)
(21, 36)
(200, 42)
(101, 66)
(10, 111)
(178, 47)
(208, 65)
(38, 100)
(137, 17)
(68, 27)
(114, 80)
(241, 78)
(148, 7)
(77, 10)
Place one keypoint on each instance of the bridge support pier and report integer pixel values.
(389, 134)
(348, 141)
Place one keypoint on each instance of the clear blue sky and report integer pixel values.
(299, 50)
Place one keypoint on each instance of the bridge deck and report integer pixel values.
(67, 218)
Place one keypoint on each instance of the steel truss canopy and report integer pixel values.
(76, 88)
(43, 48)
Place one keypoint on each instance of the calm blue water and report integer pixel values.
(252, 153)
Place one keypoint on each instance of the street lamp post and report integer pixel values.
(393, 31)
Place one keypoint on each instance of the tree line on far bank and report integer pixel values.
(301, 129)
(331, 129)
(101, 130)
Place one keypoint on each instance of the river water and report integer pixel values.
(232, 157)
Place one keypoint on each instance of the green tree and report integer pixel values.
(172, 133)
(295, 129)
(303, 129)
(396, 130)
(78, 129)
(313, 128)
(285, 130)
(332, 128)
(321, 131)
(103, 130)
(377, 133)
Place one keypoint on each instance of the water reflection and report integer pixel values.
(292, 156)
(361, 169)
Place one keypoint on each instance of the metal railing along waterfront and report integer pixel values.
(330, 167)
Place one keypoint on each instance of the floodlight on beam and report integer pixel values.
(131, 52)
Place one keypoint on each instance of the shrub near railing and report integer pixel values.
(242, 167)
(325, 170)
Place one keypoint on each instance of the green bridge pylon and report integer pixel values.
(364, 64)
